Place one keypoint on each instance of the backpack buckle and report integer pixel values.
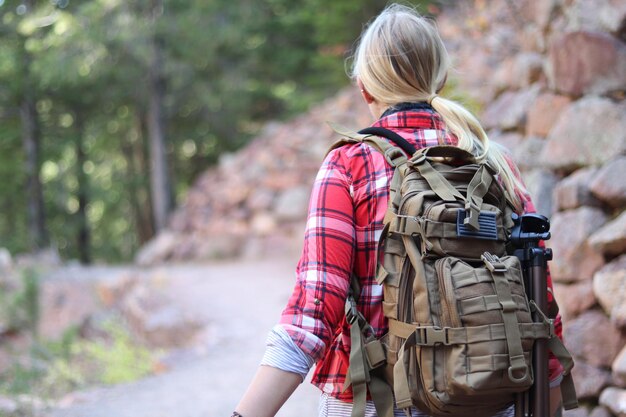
(375, 354)
(417, 160)
(352, 314)
(493, 263)
(431, 336)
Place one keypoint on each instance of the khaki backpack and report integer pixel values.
(460, 326)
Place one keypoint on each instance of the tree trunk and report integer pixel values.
(37, 234)
(159, 178)
(83, 238)
(139, 192)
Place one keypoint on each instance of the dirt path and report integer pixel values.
(240, 301)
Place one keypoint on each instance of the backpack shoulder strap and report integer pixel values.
(395, 155)
(392, 136)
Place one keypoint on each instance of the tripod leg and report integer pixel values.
(540, 391)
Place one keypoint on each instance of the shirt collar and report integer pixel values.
(411, 116)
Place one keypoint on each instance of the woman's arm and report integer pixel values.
(556, 404)
(267, 392)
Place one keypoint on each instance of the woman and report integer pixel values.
(400, 65)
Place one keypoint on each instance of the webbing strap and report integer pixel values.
(487, 303)
(568, 390)
(394, 196)
(382, 395)
(438, 183)
(411, 226)
(401, 387)
(476, 190)
(431, 335)
(511, 325)
(364, 359)
(358, 377)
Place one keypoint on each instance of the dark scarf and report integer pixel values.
(422, 105)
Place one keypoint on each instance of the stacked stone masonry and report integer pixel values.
(550, 79)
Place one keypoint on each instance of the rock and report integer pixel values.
(532, 39)
(574, 299)
(593, 339)
(261, 199)
(508, 111)
(615, 400)
(595, 15)
(509, 140)
(600, 412)
(112, 291)
(538, 12)
(544, 112)
(211, 247)
(619, 368)
(576, 412)
(540, 184)
(591, 131)
(587, 63)
(609, 185)
(156, 320)
(293, 204)
(574, 259)
(611, 238)
(527, 69)
(573, 191)
(158, 249)
(65, 303)
(527, 153)
(589, 380)
(263, 224)
(609, 287)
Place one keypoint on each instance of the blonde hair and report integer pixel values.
(399, 58)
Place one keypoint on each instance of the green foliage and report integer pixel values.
(19, 308)
(227, 66)
(120, 360)
(54, 368)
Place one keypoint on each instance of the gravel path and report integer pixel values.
(241, 301)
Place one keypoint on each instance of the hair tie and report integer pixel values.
(430, 98)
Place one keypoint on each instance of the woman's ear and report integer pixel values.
(366, 95)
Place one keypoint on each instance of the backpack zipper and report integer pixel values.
(449, 316)
(405, 293)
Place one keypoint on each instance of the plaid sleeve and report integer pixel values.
(316, 306)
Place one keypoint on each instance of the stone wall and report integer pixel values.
(551, 78)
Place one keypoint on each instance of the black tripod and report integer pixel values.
(528, 231)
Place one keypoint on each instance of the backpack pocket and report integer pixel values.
(473, 301)
(443, 232)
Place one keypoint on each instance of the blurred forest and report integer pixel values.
(110, 108)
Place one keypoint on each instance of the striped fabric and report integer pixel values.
(332, 407)
(282, 353)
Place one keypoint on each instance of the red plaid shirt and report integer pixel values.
(345, 220)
